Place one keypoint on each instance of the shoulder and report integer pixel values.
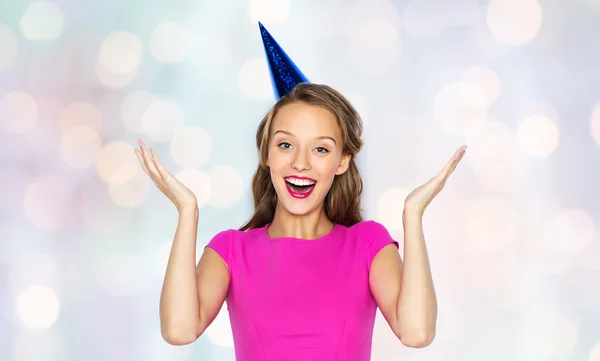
(228, 242)
(376, 236)
(235, 235)
(369, 229)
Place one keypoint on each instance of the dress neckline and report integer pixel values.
(325, 236)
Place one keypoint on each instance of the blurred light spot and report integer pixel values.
(372, 10)
(219, 331)
(493, 155)
(80, 146)
(198, 182)
(485, 80)
(511, 283)
(133, 192)
(459, 12)
(595, 353)
(548, 261)
(480, 35)
(80, 113)
(49, 346)
(549, 334)
(119, 274)
(390, 206)
(254, 79)
(570, 231)
(38, 307)
(227, 186)
(590, 256)
(595, 124)
(8, 46)
(514, 22)
(191, 147)
(423, 17)
(490, 223)
(501, 279)
(269, 11)
(460, 108)
(33, 269)
(170, 42)
(221, 50)
(121, 52)
(361, 106)
(16, 178)
(117, 163)
(100, 213)
(162, 119)
(329, 16)
(133, 107)
(555, 244)
(19, 112)
(113, 80)
(541, 108)
(49, 203)
(42, 20)
(375, 46)
(538, 136)
(552, 24)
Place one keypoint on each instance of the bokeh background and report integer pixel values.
(85, 236)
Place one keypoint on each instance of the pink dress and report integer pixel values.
(302, 300)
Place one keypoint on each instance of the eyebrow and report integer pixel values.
(292, 135)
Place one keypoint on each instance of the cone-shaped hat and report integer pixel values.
(284, 73)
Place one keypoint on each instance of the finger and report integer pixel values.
(149, 162)
(452, 163)
(159, 167)
(140, 158)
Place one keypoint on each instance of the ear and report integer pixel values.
(344, 164)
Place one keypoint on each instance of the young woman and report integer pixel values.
(304, 276)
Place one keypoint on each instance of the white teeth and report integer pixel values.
(300, 182)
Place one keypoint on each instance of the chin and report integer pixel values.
(298, 207)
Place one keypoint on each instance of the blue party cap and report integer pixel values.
(285, 75)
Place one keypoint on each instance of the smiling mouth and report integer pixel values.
(300, 189)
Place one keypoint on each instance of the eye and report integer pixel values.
(284, 145)
(322, 150)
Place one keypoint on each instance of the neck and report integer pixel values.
(310, 226)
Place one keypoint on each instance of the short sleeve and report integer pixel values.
(379, 238)
(221, 243)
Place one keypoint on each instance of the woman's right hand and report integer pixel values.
(170, 186)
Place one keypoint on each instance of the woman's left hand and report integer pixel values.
(418, 200)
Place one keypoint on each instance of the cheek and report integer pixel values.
(328, 169)
(275, 160)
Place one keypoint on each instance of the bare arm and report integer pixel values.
(405, 292)
(212, 277)
(417, 303)
(192, 295)
(179, 302)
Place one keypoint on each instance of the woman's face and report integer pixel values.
(304, 156)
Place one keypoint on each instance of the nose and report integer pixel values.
(300, 162)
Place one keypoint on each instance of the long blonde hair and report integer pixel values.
(342, 202)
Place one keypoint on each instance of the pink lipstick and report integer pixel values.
(300, 187)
